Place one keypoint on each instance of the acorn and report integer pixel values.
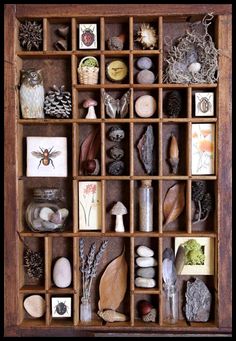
(174, 154)
(144, 307)
(92, 167)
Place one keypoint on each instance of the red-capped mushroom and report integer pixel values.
(90, 104)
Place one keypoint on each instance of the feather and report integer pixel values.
(168, 272)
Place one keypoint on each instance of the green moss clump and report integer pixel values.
(193, 253)
(90, 62)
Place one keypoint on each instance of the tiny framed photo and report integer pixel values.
(204, 104)
(203, 148)
(61, 307)
(46, 156)
(90, 205)
(199, 255)
(88, 38)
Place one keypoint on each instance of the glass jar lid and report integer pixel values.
(47, 194)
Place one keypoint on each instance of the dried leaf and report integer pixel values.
(89, 148)
(180, 259)
(113, 284)
(174, 203)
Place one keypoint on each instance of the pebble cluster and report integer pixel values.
(145, 272)
(116, 134)
(145, 76)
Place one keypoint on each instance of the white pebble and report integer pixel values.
(145, 282)
(144, 251)
(145, 262)
(62, 273)
(46, 213)
(64, 212)
(35, 305)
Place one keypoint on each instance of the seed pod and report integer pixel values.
(173, 154)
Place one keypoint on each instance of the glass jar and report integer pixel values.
(85, 310)
(46, 212)
(171, 303)
(146, 206)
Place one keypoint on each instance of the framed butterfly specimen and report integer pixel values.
(116, 107)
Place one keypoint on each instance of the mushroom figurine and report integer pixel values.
(90, 104)
(119, 210)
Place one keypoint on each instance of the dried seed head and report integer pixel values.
(174, 154)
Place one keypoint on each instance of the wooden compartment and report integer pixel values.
(54, 35)
(60, 68)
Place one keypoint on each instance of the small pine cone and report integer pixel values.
(198, 190)
(206, 204)
(57, 103)
(174, 104)
(31, 35)
(33, 262)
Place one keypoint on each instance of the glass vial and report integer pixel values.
(146, 206)
(85, 310)
(171, 303)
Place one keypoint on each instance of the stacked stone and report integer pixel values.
(146, 268)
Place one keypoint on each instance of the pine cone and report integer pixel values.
(198, 190)
(206, 205)
(30, 35)
(33, 262)
(57, 103)
(174, 104)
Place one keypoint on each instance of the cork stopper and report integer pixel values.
(146, 183)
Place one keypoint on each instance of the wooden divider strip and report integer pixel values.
(160, 147)
(160, 210)
(131, 69)
(131, 146)
(102, 34)
(102, 69)
(132, 280)
(73, 34)
(74, 150)
(76, 283)
(131, 206)
(160, 250)
(103, 208)
(189, 205)
(189, 150)
(47, 261)
(189, 102)
(45, 34)
(131, 32)
(75, 207)
(160, 103)
(103, 150)
(48, 309)
(160, 56)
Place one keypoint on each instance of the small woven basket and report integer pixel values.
(88, 74)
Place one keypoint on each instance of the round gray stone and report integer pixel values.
(144, 63)
(145, 77)
(146, 272)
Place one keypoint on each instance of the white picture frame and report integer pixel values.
(46, 156)
(88, 38)
(203, 148)
(204, 104)
(90, 214)
(208, 250)
(61, 307)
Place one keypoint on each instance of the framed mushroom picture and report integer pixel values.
(46, 156)
(90, 205)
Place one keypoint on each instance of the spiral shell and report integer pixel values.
(112, 316)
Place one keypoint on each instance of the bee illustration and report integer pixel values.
(204, 104)
(46, 156)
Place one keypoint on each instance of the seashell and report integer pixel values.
(151, 316)
(49, 226)
(147, 36)
(46, 213)
(56, 218)
(116, 134)
(92, 167)
(145, 77)
(144, 63)
(63, 31)
(116, 168)
(116, 153)
(112, 316)
(194, 67)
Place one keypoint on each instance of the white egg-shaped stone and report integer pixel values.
(144, 251)
(35, 306)
(145, 282)
(62, 273)
(145, 262)
(64, 212)
(194, 67)
(46, 213)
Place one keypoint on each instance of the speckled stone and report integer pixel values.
(145, 77)
(62, 273)
(144, 63)
(35, 306)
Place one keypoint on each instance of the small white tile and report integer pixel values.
(204, 104)
(88, 36)
(61, 306)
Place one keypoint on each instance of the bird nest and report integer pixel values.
(194, 58)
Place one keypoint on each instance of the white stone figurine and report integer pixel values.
(32, 93)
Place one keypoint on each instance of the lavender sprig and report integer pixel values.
(82, 259)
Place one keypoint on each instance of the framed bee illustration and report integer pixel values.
(88, 36)
(46, 156)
